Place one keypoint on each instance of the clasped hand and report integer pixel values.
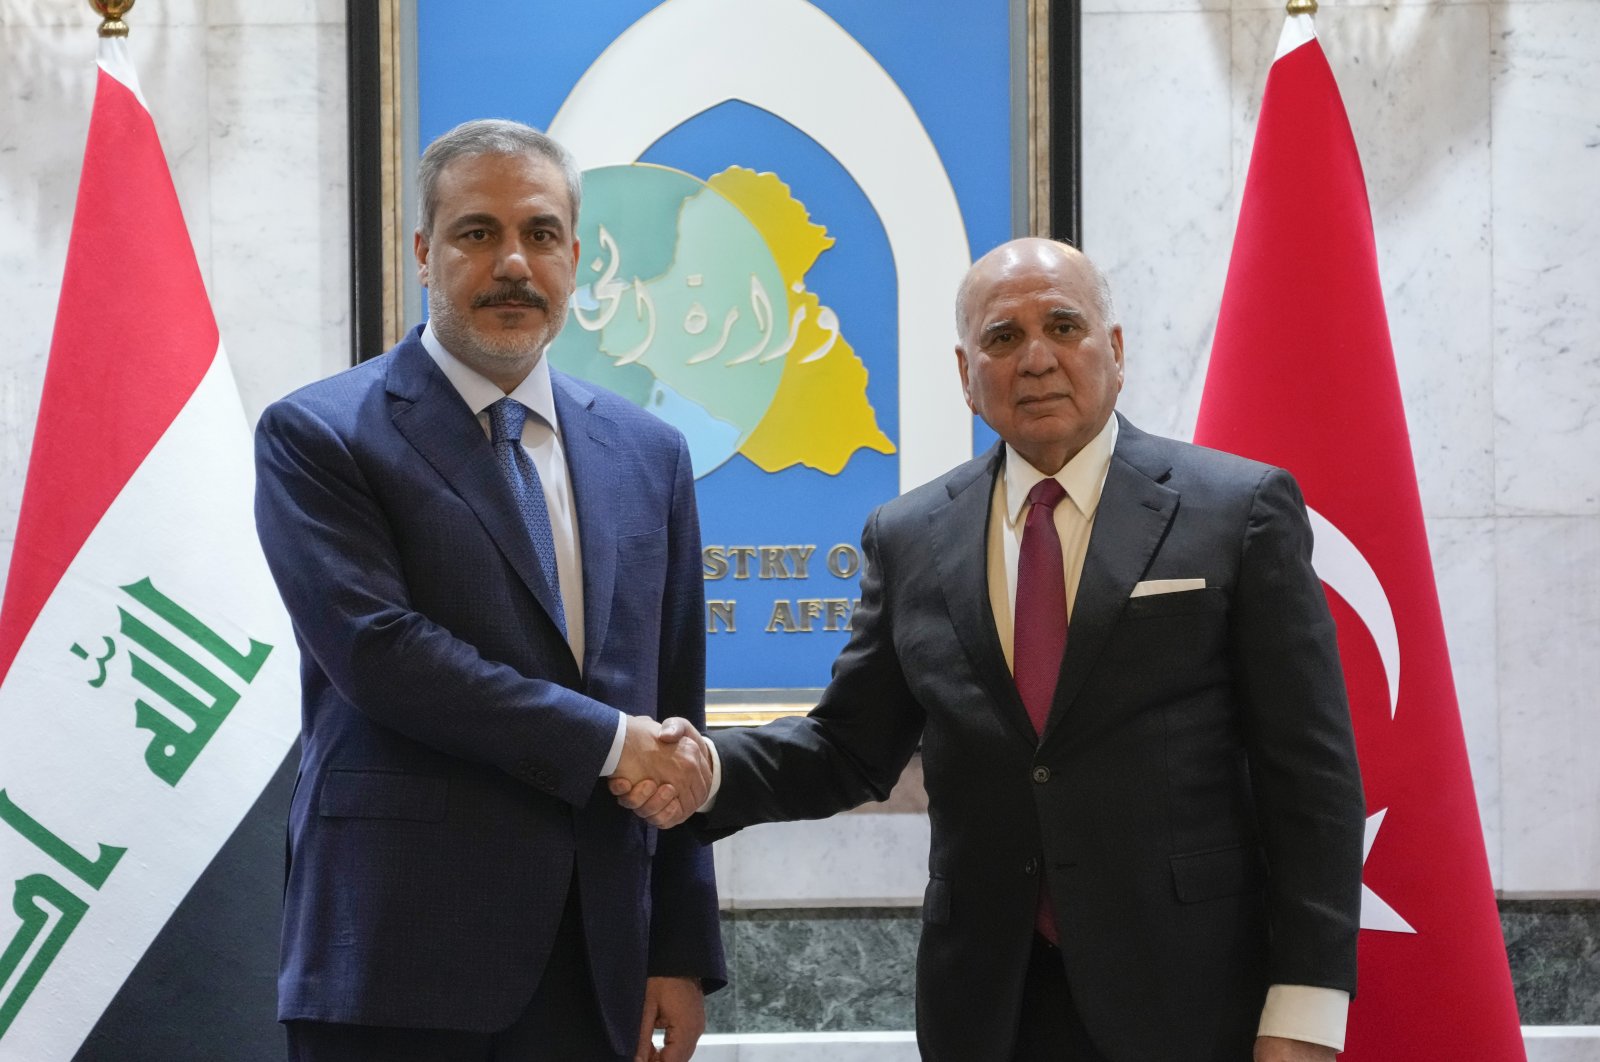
(664, 775)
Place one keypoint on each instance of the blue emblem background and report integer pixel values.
(953, 63)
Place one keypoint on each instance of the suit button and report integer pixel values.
(1031, 867)
(542, 780)
(1041, 775)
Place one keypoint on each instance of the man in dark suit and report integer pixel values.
(494, 576)
(1142, 785)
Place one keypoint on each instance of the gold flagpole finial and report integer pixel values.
(111, 12)
(1302, 7)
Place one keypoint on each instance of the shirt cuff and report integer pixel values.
(1304, 1012)
(716, 773)
(608, 768)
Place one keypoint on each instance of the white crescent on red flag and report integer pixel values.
(147, 669)
(1302, 375)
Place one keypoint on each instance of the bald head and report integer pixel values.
(1032, 250)
(1039, 354)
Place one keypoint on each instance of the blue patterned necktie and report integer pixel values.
(505, 421)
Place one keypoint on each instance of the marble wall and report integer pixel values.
(834, 969)
(1478, 123)
(1554, 949)
(1479, 128)
(249, 101)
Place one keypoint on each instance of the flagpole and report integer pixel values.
(1301, 7)
(111, 12)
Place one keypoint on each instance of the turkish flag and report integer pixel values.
(1302, 375)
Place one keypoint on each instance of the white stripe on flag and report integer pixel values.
(76, 762)
(1297, 30)
(114, 60)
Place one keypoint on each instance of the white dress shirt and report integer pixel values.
(1082, 478)
(1296, 1012)
(541, 439)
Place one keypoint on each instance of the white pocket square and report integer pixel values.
(1166, 586)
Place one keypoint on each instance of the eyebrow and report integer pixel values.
(988, 330)
(481, 220)
(546, 221)
(475, 221)
(1059, 313)
(1064, 313)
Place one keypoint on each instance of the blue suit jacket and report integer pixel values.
(449, 784)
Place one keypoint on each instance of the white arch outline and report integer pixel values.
(789, 58)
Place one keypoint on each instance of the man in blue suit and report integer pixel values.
(494, 575)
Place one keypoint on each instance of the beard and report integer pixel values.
(496, 348)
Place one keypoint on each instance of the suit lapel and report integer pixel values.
(1135, 509)
(431, 416)
(590, 442)
(959, 530)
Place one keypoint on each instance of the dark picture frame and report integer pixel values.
(1045, 195)
(1051, 125)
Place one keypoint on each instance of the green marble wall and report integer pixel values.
(1554, 947)
(853, 968)
(817, 970)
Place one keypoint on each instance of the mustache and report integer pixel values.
(519, 294)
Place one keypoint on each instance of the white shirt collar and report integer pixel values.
(479, 392)
(1083, 477)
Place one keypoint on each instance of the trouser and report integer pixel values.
(1049, 1029)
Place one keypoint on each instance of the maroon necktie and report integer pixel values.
(1041, 631)
(1041, 627)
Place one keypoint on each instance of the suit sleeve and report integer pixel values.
(332, 552)
(685, 937)
(1302, 751)
(851, 748)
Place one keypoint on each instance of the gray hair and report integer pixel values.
(1103, 302)
(489, 136)
(1102, 294)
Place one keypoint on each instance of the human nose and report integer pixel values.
(512, 261)
(1036, 357)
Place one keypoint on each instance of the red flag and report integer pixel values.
(132, 286)
(147, 687)
(1302, 375)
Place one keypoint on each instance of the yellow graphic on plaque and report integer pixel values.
(691, 301)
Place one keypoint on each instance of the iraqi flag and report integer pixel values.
(147, 670)
(1302, 375)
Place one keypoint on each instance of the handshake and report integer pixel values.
(664, 775)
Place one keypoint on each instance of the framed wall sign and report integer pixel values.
(780, 199)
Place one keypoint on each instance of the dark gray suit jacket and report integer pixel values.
(1194, 805)
(449, 785)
